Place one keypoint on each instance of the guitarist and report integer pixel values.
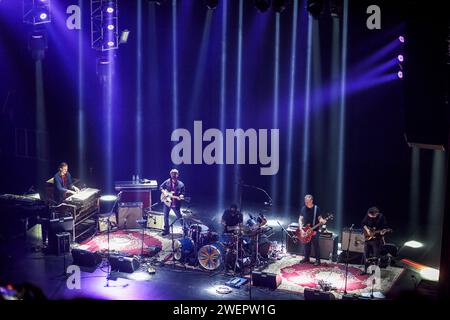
(177, 188)
(310, 214)
(373, 221)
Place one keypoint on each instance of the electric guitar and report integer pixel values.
(372, 233)
(308, 231)
(167, 196)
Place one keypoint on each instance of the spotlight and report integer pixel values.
(430, 274)
(413, 244)
(110, 27)
(400, 58)
(315, 7)
(36, 11)
(104, 69)
(336, 8)
(262, 5)
(37, 44)
(279, 5)
(158, 2)
(110, 9)
(110, 43)
(401, 39)
(108, 198)
(124, 36)
(400, 75)
(106, 203)
(211, 4)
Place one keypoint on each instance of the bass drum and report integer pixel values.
(264, 247)
(212, 256)
(183, 248)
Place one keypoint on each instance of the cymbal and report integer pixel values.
(191, 218)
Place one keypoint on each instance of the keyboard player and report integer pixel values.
(63, 183)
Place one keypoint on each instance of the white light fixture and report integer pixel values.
(430, 274)
(413, 244)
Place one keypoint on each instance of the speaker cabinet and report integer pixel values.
(129, 213)
(62, 243)
(123, 264)
(328, 246)
(155, 220)
(58, 242)
(267, 280)
(311, 294)
(356, 240)
(84, 258)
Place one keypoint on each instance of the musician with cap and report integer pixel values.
(172, 193)
(374, 227)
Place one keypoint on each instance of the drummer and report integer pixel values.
(232, 219)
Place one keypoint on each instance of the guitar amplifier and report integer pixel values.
(128, 213)
(357, 240)
(104, 219)
(155, 220)
(267, 280)
(328, 246)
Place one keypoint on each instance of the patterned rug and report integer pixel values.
(296, 277)
(129, 242)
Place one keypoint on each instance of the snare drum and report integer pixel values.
(183, 248)
(212, 256)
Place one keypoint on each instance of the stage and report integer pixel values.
(165, 150)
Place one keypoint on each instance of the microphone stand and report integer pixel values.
(346, 262)
(108, 254)
(282, 238)
(108, 231)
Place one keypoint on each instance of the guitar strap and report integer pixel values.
(315, 211)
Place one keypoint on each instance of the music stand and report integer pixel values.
(346, 262)
(142, 223)
(282, 238)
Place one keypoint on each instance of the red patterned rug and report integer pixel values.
(296, 277)
(124, 242)
(308, 276)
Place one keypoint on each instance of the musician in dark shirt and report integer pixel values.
(232, 218)
(63, 183)
(310, 214)
(373, 221)
(176, 188)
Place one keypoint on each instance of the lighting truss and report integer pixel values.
(104, 25)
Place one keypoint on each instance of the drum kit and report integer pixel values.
(239, 248)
